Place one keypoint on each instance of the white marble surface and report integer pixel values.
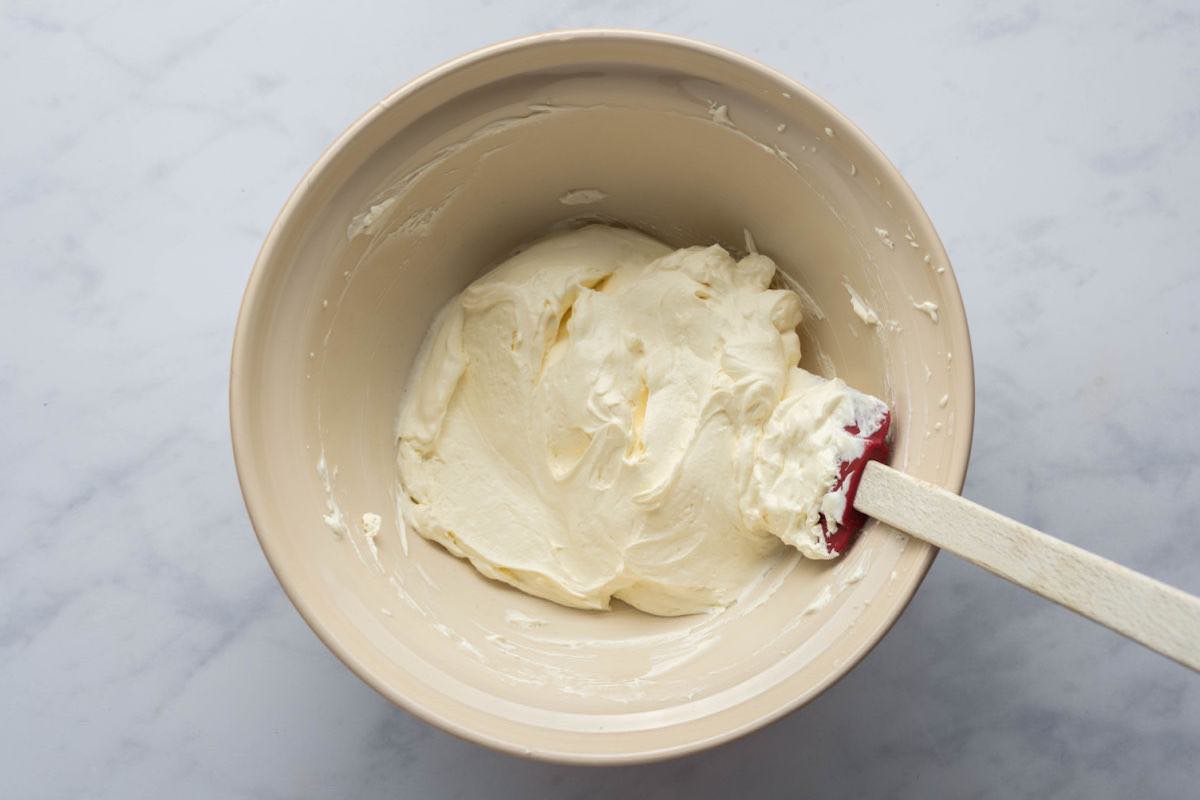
(145, 648)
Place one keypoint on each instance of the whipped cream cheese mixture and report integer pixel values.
(600, 416)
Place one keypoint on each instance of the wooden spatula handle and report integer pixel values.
(1161, 617)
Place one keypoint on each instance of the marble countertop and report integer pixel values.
(146, 649)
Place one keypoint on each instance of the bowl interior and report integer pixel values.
(445, 178)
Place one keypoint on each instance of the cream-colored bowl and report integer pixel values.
(446, 176)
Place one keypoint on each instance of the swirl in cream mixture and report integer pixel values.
(600, 416)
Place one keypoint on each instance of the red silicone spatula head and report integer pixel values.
(876, 448)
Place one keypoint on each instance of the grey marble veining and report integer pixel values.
(146, 650)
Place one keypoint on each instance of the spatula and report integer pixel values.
(1154, 614)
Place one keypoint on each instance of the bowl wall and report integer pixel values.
(445, 178)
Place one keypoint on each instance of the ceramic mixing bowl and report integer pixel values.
(445, 177)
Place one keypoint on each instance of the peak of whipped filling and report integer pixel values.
(601, 417)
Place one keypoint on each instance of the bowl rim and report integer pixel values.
(246, 461)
